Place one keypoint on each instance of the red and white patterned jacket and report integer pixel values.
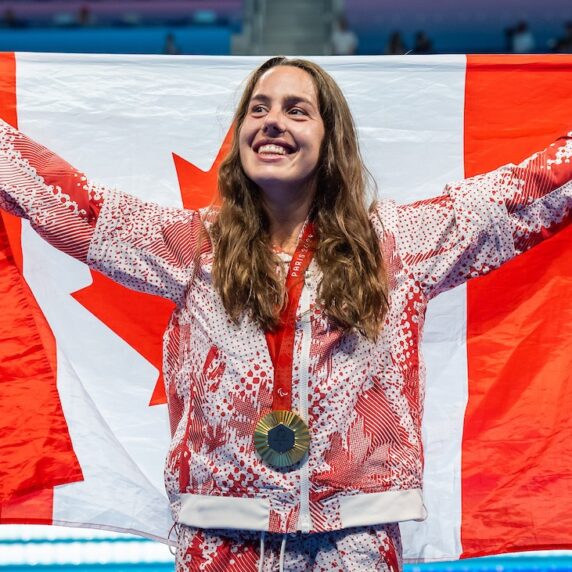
(363, 401)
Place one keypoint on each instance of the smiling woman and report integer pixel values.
(292, 361)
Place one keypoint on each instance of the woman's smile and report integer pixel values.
(272, 149)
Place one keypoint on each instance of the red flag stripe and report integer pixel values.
(29, 402)
(34, 508)
(518, 432)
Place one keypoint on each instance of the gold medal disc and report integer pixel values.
(281, 438)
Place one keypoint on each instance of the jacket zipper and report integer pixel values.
(305, 520)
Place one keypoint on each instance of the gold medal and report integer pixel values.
(281, 438)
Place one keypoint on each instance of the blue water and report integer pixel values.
(499, 564)
(90, 567)
(495, 564)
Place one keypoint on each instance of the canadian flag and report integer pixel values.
(83, 425)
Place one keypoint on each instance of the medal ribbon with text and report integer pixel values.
(281, 341)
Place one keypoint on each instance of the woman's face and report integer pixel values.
(282, 133)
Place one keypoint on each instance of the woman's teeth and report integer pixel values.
(272, 149)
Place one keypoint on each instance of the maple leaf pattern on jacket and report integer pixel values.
(354, 461)
(245, 411)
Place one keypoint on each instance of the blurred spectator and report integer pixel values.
(9, 19)
(205, 17)
(171, 48)
(85, 17)
(131, 19)
(522, 39)
(563, 45)
(395, 45)
(64, 19)
(344, 41)
(422, 45)
(508, 35)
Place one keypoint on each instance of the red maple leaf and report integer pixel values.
(140, 319)
(361, 464)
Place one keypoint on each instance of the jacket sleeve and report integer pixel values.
(141, 245)
(481, 222)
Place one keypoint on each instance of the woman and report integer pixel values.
(292, 360)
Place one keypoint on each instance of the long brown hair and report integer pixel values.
(353, 288)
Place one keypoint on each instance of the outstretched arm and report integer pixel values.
(36, 184)
(141, 245)
(481, 222)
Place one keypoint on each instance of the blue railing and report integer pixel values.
(214, 40)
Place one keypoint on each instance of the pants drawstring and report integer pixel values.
(282, 553)
(261, 560)
(173, 550)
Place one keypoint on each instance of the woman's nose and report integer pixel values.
(274, 122)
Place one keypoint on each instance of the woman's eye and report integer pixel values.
(297, 111)
(257, 109)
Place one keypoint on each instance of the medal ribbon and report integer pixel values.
(281, 341)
